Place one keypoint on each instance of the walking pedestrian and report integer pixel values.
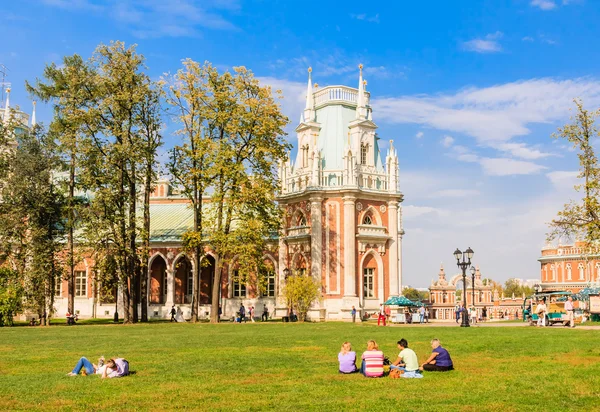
(426, 315)
(353, 314)
(173, 313)
(381, 315)
(457, 312)
(242, 313)
(421, 314)
(570, 311)
(265, 314)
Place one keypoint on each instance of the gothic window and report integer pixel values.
(444, 296)
(270, 286)
(364, 149)
(165, 281)
(569, 271)
(190, 282)
(81, 283)
(58, 286)
(581, 269)
(367, 220)
(368, 282)
(239, 288)
(597, 271)
(305, 156)
(553, 271)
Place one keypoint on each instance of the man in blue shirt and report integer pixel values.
(439, 361)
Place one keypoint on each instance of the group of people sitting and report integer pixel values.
(407, 364)
(112, 368)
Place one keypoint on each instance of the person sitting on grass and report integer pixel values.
(439, 361)
(347, 359)
(407, 361)
(372, 361)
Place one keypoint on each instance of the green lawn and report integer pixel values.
(294, 367)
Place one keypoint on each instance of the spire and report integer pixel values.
(7, 107)
(33, 122)
(360, 101)
(309, 107)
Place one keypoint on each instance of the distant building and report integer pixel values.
(568, 268)
(342, 225)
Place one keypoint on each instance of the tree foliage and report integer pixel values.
(31, 211)
(233, 140)
(414, 294)
(581, 219)
(11, 295)
(300, 292)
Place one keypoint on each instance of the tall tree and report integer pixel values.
(581, 219)
(68, 88)
(233, 138)
(190, 161)
(149, 119)
(31, 225)
(245, 123)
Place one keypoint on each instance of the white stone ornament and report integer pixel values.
(382, 208)
(359, 206)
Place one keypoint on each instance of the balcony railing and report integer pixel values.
(335, 178)
(298, 231)
(338, 94)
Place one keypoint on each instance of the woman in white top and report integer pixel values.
(541, 312)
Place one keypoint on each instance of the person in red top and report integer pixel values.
(381, 315)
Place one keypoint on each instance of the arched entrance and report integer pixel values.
(207, 275)
(158, 281)
(183, 280)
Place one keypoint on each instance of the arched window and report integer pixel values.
(569, 271)
(364, 149)
(553, 271)
(190, 283)
(597, 271)
(367, 220)
(581, 271)
(368, 282)
(239, 288)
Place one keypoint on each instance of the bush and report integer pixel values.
(11, 296)
(300, 293)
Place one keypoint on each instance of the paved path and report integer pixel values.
(486, 325)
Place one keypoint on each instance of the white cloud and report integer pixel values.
(455, 193)
(489, 44)
(156, 18)
(294, 98)
(447, 141)
(527, 38)
(419, 134)
(365, 17)
(544, 4)
(563, 180)
(509, 107)
(508, 167)
(410, 212)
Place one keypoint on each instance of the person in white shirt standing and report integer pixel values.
(570, 311)
(541, 312)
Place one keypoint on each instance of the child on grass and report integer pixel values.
(347, 359)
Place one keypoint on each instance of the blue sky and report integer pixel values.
(469, 91)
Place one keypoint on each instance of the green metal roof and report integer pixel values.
(168, 222)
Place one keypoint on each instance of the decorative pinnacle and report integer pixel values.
(316, 85)
(310, 69)
(364, 82)
(8, 90)
(360, 66)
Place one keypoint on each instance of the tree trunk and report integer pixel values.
(70, 240)
(133, 260)
(216, 293)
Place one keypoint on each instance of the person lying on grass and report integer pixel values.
(114, 368)
(347, 359)
(372, 361)
(439, 361)
(407, 361)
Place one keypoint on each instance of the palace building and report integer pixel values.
(342, 225)
(568, 267)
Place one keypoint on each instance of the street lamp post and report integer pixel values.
(463, 261)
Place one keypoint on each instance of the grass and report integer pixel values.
(294, 367)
